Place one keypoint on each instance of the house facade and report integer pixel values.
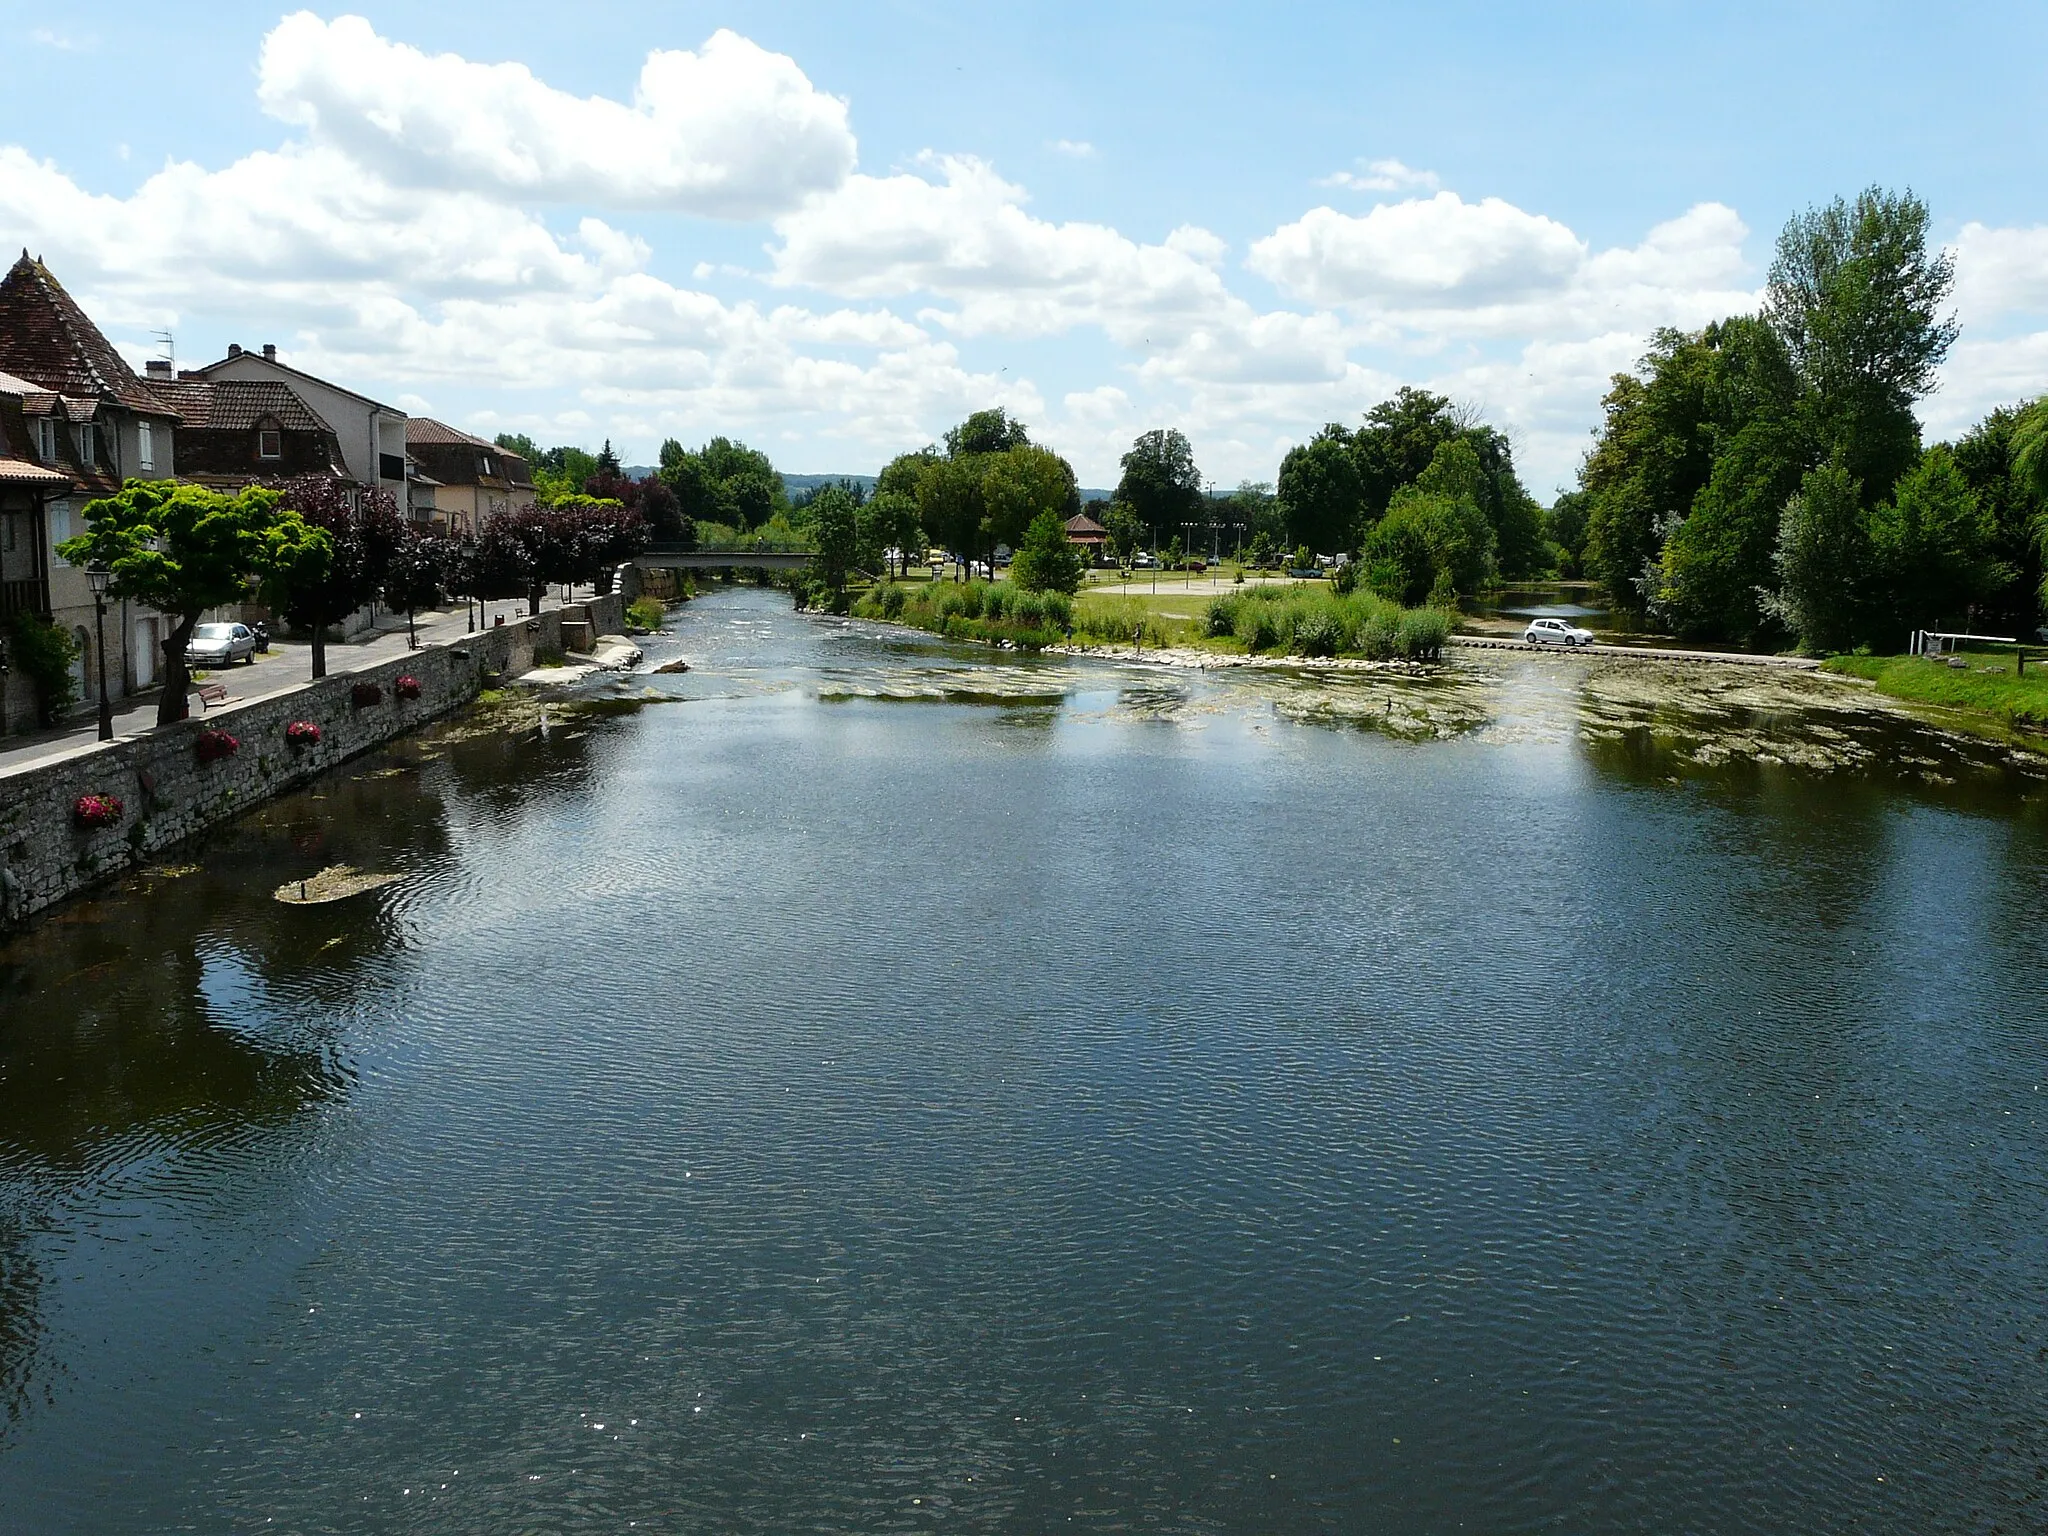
(368, 436)
(75, 410)
(472, 480)
(234, 433)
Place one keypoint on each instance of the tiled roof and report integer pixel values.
(424, 429)
(10, 385)
(1083, 523)
(46, 338)
(236, 405)
(22, 472)
(237, 357)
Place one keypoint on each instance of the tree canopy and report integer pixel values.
(183, 549)
(1161, 484)
(1764, 476)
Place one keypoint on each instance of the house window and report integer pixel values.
(269, 443)
(86, 456)
(145, 445)
(46, 440)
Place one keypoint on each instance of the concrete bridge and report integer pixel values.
(719, 560)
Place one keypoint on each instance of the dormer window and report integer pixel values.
(269, 443)
(46, 439)
(86, 456)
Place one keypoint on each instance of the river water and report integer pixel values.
(874, 1088)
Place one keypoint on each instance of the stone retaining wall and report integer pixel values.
(168, 795)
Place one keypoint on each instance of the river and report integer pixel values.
(878, 1087)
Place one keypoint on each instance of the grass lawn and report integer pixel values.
(1985, 684)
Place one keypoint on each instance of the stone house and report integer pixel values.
(368, 436)
(238, 432)
(86, 418)
(472, 480)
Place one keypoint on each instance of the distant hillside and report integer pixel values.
(796, 484)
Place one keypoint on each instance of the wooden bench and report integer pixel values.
(211, 694)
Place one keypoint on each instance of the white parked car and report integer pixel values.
(219, 645)
(1556, 632)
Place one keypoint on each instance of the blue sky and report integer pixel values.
(917, 209)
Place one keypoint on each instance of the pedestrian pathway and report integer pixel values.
(288, 665)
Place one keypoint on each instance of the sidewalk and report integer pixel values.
(287, 665)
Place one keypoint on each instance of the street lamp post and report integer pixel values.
(99, 575)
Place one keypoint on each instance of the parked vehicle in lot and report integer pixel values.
(1556, 632)
(221, 645)
(1143, 561)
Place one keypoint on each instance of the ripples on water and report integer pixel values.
(879, 1087)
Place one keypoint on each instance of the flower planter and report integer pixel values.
(302, 733)
(210, 746)
(407, 687)
(95, 811)
(364, 695)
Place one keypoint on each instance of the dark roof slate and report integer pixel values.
(237, 405)
(47, 339)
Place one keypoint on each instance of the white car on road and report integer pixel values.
(221, 645)
(1556, 632)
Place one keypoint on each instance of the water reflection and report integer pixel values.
(879, 1079)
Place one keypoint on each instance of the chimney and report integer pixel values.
(159, 367)
(234, 349)
(269, 352)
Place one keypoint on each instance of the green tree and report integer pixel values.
(1160, 482)
(1652, 456)
(1126, 530)
(521, 444)
(1320, 497)
(951, 506)
(1565, 527)
(1018, 486)
(1857, 298)
(182, 549)
(1824, 560)
(835, 522)
(1988, 456)
(1394, 447)
(1935, 543)
(1047, 560)
(992, 431)
(1429, 545)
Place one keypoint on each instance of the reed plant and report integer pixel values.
(992, 612)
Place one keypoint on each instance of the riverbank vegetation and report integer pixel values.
(1983, 684)
(1763, 480)
(993, 612)
(1316, 621)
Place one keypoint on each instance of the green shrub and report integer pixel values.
(1317, 634)
(972, 598)
(645, 613)
(1423, 632)
(45, 653)
(1257, 626)
(1221, 618)
(997, 602)
(1379, 637)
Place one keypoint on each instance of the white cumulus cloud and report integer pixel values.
(1440, 248)
(730, 131)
